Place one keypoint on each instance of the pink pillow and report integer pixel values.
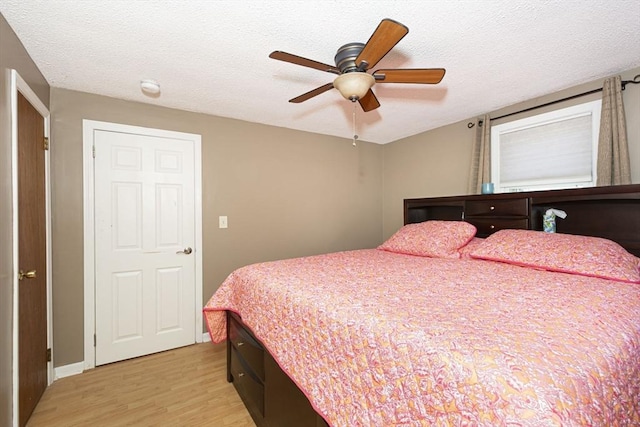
(567, 253)
(465, 251)
(439, 239)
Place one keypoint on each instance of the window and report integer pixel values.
(548, 151)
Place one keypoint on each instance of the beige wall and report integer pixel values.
(436, 163)
(433, 163)
(286, 193)
(12, 56)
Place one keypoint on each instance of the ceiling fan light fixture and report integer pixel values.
(355, 85)
(355, 63)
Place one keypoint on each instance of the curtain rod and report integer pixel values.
(624, 83)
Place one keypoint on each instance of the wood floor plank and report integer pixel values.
(181, 387)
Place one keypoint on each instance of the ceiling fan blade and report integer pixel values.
(311, 93)
(383, 39)
(298, 60)
(410, 75)
(369, 101)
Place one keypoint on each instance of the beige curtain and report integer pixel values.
(481, 160)
(614, 166)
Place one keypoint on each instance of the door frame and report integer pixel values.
(18, 84)
(88, 129)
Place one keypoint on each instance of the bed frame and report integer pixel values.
(273, 399)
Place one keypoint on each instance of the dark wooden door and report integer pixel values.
(32, 288)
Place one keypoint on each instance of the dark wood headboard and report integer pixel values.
(609, 212)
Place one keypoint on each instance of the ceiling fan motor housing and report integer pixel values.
(346, 57)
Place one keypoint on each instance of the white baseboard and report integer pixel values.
(206, 337)
(68, 370)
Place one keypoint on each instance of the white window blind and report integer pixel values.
(547, 151)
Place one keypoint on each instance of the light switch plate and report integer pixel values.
(222, 222)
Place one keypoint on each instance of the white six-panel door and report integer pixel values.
(144, 244)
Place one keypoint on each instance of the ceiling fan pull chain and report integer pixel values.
(355, 137)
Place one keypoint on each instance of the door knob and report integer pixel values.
(31, 274)
(186, 251)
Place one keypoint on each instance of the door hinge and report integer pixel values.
(48, 355)
(93, 151)
(46, 143)
(94, 340)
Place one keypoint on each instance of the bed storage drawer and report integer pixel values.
(508, 207)
(271, 397)
(247, 347)
(249, 387)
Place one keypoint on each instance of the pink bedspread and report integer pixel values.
(381, 339)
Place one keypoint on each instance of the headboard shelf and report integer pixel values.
(611, 212)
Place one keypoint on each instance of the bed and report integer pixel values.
(468, 315)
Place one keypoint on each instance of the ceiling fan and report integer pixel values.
(353, 61)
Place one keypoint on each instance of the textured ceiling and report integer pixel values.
(212, 56)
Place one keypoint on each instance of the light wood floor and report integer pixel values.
(182, 387)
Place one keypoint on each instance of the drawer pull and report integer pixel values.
(492, 226)
(492, 208)
(240, 343)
